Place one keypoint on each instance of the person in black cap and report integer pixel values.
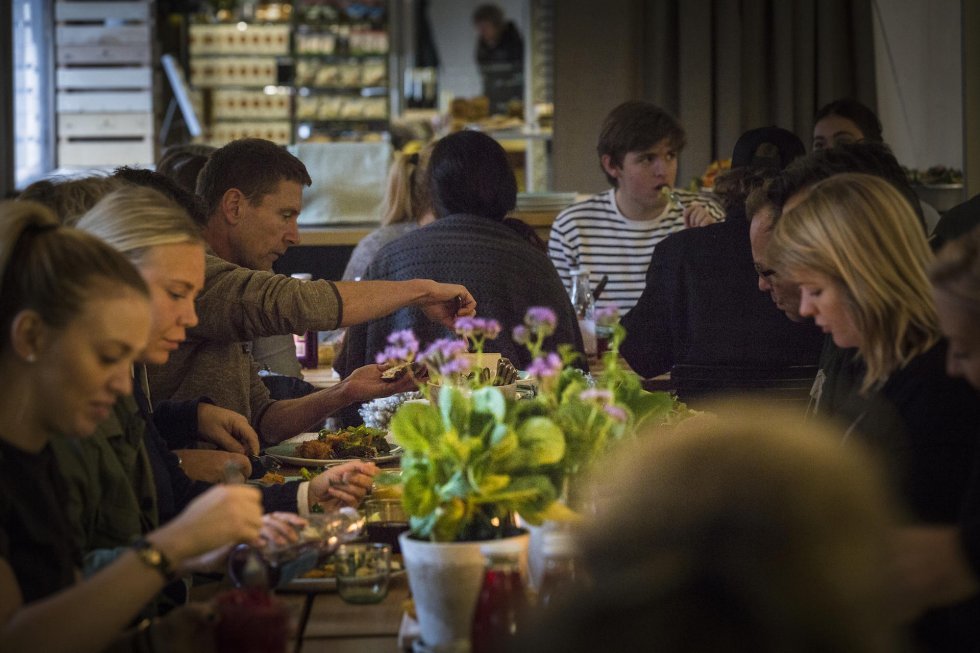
(700, 305)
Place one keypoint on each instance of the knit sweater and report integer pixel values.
(505, 274)
(236, 306)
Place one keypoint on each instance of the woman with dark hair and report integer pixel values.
(472, 188)
(845, 121)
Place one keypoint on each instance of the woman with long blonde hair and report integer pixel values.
(854, 245)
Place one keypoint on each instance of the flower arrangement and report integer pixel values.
(473, 458)
(707, 180)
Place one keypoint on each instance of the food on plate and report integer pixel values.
(351, 442)
(323, 571)
(272, 478)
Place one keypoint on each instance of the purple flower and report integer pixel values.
(597, 395)
(541, 319)
(546, 366)
(402, 347)
(477, 327)
(617, 413)
(607, 316)
(442, 354)
(455, 366)
(521, 335)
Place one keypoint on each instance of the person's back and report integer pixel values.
(504, 272)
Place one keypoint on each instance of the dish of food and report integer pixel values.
(328, 448)
(323, 578)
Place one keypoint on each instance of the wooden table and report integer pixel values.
(339, 627)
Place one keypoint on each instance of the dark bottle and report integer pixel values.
(307, 352)
(563, 571)
(501, 608)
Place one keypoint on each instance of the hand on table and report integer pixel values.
(342, 485)
(226, 429)
(212, 466)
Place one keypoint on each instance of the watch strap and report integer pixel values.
(154, 558)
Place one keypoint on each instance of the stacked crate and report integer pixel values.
(104, 83)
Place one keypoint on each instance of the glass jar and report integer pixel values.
(563, 570)
(501, 607)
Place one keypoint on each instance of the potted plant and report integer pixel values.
(474, 458)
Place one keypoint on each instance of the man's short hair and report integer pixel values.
(635, 126)
(489, 14)
(252, 165)
(867, 157)
(165, 186)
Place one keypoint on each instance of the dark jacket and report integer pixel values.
(701, 305)
(505, 274)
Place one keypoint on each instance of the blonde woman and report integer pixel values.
(166, 247)
(853, 244)
(407, 205)
(75, 314)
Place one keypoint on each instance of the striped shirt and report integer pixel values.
(593, 234)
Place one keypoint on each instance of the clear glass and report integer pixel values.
(362, 572)
(584, 305)
(385, 521)
(274, 566)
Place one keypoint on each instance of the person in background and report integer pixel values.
(853, 244)
(182, 163)
(614, 233)
(941, 565)
(75, 315)
(846, 121)
(956, 222)
(747, 533)
(140, 482)
(69, 198)
(699, 305)
(500, 57)
(470, 243)
(252, 190)
(406, 206)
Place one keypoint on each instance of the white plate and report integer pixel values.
(287, 452)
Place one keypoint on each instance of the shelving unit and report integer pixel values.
(320, 75)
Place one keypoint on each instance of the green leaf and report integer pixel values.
(418, 495)
(458, 486)
(454, 406)
(492, 483)
(490, 401)
(541, 440)
(416, 427)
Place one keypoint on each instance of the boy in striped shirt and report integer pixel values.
(614, 233)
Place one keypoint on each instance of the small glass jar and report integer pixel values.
(563, 569)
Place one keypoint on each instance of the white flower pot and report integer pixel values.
(445, 579)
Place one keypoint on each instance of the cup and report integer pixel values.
(250, 621)
(385, 521)
(362, 572)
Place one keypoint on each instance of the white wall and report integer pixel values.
(452, 28)
(918, 66)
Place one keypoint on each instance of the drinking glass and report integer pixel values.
(362, 572)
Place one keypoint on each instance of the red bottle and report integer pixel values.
(501, 607)
(307, 344)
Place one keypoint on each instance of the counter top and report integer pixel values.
(351, 234)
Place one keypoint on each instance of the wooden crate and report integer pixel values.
(105, 83)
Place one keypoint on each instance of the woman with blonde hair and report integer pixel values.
(74, 317)
(167, 248)
(407, 205)
(853, 244)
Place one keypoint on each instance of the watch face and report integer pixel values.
(152, 556)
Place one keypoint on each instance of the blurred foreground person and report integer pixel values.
(745, 533)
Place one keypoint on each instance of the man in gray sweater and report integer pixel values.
(252, 192)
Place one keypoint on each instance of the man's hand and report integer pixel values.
(365, 383)
(447, 301)
(697, 215)
(212, 466)
(226, 429)
(342, 485)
